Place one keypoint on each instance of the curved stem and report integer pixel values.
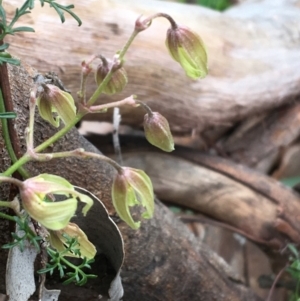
(145, 107)
(127, 101)
(7, 216)
(78, 153)
(26, 158)
(274, 283)
(163, 15)
(7, 140)
(14, 181)
(5, 204)
(128, 44)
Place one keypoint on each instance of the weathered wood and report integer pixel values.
(256, 205)
(257, 142)
(153, 253)
(254, 60)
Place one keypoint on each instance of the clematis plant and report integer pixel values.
(41, 195)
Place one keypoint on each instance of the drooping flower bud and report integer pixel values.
(52, 215)
(157, 131)
(187, 48)
(54, 100)
(58, 240)
(117, 81)
(132, 187)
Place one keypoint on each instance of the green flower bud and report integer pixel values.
(157, 131)
(117, 81)
(187, 48)
(53, 100)
(58, 241)
(52, 215)
(132, 187)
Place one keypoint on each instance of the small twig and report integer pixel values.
(116, 140)
(274, 283)
(202, 219)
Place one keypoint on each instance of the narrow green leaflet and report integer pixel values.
(26, 9)
(8, 115)
(9, 60)
(60, 10)
(4, 46)
(22, 28)
(2, 15)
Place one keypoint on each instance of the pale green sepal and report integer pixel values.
(47, 183)
(58, 241)
(187, 48)
(52, 215)
(45, 110)
(123, 197)
(142, 186)
(66, 109)
(85, 199)
(192, 68)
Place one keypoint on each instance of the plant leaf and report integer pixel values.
(22, 29)
(4, 46)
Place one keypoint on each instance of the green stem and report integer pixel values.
(11, 180)
(59, 134)
(26, 158)
(78, 153)
(5, 204)
(7, 140)
(145, 107)
(127, 101)
(128, 44)
(100, 88)
(6, 216)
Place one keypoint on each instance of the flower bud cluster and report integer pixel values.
(117, 81)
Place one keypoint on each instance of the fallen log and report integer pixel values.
(252, 49)
(253, 204)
